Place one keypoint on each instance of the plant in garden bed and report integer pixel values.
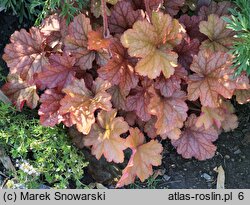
(240, 22)
(149, 71)
(42, 155)
(37, 10)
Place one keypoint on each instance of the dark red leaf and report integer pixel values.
(186, 50)
(58, 72)
(139, 99)
(123, 16)
(49, 109)
(220, 8)
(173, 6)
(191, 24)
(196, 142)
(119, 70)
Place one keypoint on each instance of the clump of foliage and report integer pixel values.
(37, 10)
(149, 71)
(43, 155)
(240, 22)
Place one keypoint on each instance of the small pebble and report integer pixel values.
(232, 159)
(173, 165)
(206, 176)
(237, 151)
(227, 157)
(166, 177)
(42, 186)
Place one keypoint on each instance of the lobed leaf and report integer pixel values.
(173, 6)
(153, 43)
(143, 157)
(58, 73)
(119, 70)
(21, 92)
(26, 54)
(55, 30)
(219, 37)
(81, 103)
(96, 41)
(190, 23)
(49, 109)
(118, 97)
(171, 112)
(168, 86)
(104, 137)
(212, 79)
(221, 117)
(76, 42)
(243, 96)
(139, 99)
(220, 9)
(186, 50)
(123, 16)
(196, 142)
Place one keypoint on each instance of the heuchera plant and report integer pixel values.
(148, 71)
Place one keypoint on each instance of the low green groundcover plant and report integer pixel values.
(129, 74)
(42, 156)
(37, 10)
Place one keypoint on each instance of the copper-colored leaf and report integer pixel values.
(242, 96)
(119, 69)
(81, 102)
(220, 38)
(21, 92)
(123, 16)
(55, 30)
(213, 78)
(231, 120)
(105, 139)
(25, 54)
(221, 117)
(143, 157)
(196, 142)
(96, 41)
(171, 112)
(58, 72)
(76, 43)
(153, 43)
(209, 117)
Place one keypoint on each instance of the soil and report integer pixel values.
(233, 151)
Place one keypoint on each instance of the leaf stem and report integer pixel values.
(105, 19)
